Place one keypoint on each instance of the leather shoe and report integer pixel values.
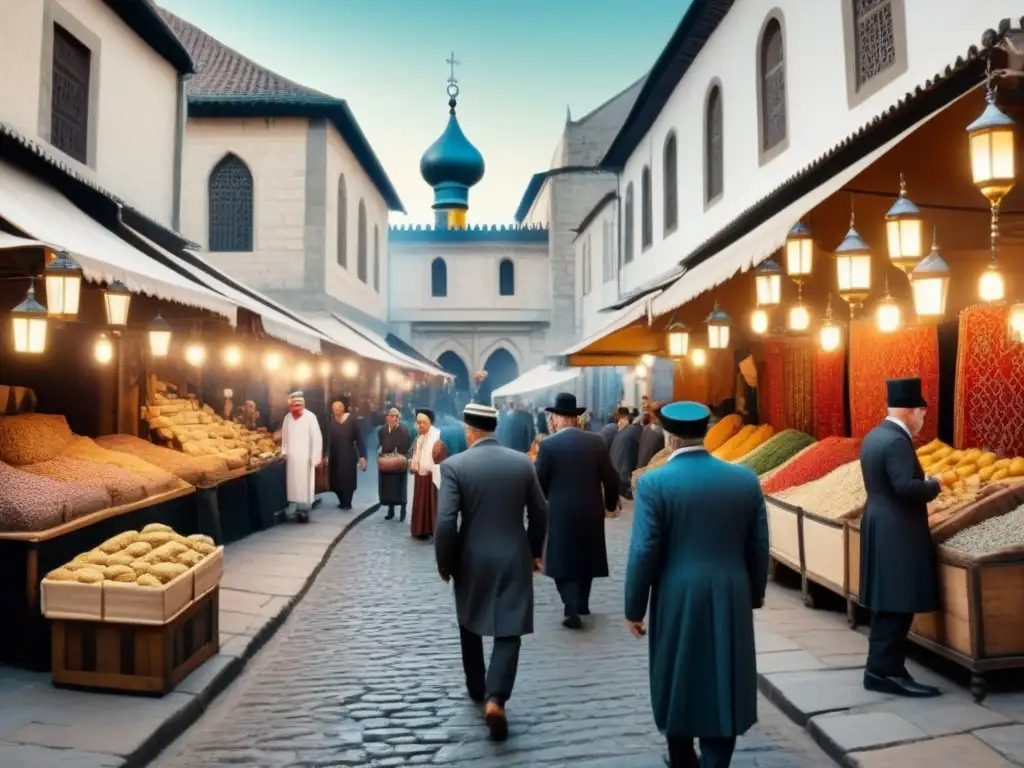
(496, 720)
(899, 686)
(572, 622)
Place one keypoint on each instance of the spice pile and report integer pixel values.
(744, 441)
(838, 495)
(722, 431)
(776, 451)
(991, 535)
(813, 463)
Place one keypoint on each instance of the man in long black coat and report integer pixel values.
(345, 451)
(897, 562)
(393, 487)
(653, 438)
(580, 483)
(619, 419)
(625, 453)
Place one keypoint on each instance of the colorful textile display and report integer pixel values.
(788, 384)
(876, 357)
(988, 407)
(773, 393)
(829, 379)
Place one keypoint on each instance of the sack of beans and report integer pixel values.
(196, 470)
(30, 437)
(123, 487)
(32, 503)
(154, 479)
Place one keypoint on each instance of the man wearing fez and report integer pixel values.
(482, 546)
(698, 558)
(580, 483)
(302, 446)
(897, 557)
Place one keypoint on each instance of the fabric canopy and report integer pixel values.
(407, 362)
(51, 219)
(536, 380)
(621, 341)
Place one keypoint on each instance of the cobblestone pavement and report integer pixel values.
(366, 672)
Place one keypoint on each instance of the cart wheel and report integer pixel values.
(979, 688)
(773, 568)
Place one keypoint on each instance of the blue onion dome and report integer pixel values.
(452, 159)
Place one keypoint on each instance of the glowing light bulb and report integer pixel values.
(195, 355)
(799, 318)
(104, 350)
(272, 361)
(991, 286)
(699, 357)
(759, 321)
(830, 338)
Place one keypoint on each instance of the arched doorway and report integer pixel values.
(501, 368)
(451, 363)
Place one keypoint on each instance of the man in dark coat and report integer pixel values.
(897, 559)
(701, 575)
(542, 422)
(345, 450)
(393, 487)
(625, 451)
(619, 419)
(520, 431)
(580, 483)
(490, 555)
(653, 438)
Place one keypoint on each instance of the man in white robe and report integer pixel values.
(302, 445)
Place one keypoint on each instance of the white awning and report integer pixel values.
(380, 342)
(340, 334)
(765, 239)
(626, 316)
(276, 321)
(536, 380)
(46, 215)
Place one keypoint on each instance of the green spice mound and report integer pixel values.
(776, 451)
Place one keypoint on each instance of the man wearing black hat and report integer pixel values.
(481, 544)
(619, 419)
(580, 483)
(897, 559)
(625, 452)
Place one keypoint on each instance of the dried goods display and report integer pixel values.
(744, 441)
(791, 460)
(35, 503)
(838, 495)
(155, 480)
(964, 474)
(181, 423)
(992, 535)
(28, 438)
(724, 429)
(734, 442)
(195, 470)
(777, 450)
(821, 458)
(123, 487)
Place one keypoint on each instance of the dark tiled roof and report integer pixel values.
(144, 18)
(228, 84)
(598, 207)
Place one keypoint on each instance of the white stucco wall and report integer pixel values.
(133, 102)
(344, 283)
(600, 238)
(275, 151)
(819, 112)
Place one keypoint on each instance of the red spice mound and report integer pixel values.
(824, 456)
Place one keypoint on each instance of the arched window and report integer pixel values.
(507, 278)
(646, 214)
(231, 219)
(627, 234)
(342, 245)
(714, 181)
(438, 278)
(670, 176)
(376, 258)
(361, 243)
(772, 65)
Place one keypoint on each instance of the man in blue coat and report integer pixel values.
(699, 557)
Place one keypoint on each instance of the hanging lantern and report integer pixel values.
(302, 372)
(930, 284)
(63, 286)
(799, 318)
(718, 323)
(648, 360)
(768, 283)
(759, 321)
(104, 350)
(350, 369)
(799, 253)
(1016, 323)
(853, 267)
(640, 371)
(232, 356)
(830, 335)
(325, 368)
(904, 229)
(28, 323)
(699, 357)
(888, 315)
(678, 340)
(991, 143)
(272, 361)
(117, 299)
(159, 337)
(195, 355)
(991, 286)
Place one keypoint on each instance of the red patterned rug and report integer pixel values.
(772, 408)
(989, 405)
(877, 356)
(829, 381)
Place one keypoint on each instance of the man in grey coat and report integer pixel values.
(491, 556)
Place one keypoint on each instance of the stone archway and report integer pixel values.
(501, 368)
(452, 363)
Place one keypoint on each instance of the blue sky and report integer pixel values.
(522, 63)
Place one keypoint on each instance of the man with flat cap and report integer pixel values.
(482, 546)
(897, 557)
(580, 483)
(698, 561)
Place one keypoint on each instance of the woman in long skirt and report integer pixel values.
(427, 453)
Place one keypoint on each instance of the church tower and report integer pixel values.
(451, 165)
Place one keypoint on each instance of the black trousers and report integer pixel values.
(575, 594)
(887, 644)
(499, 677)
(714, 753)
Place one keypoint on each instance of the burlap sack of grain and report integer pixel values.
(123, 487)
(33, 503)
(193, 470)
(30, 437)
(154, 479)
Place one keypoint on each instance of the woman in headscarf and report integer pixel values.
(427, 453)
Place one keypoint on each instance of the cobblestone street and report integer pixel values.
(366, 672)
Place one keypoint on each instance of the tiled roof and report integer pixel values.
(144, 18)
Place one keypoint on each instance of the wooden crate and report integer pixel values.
(784, 534)
(136, 658)
(825, 552)
(853, 559)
